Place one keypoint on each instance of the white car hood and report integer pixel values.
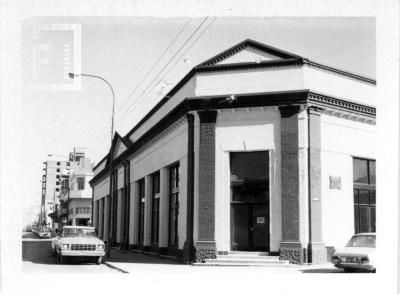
(354, 251)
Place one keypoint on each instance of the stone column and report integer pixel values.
(205, 246)
(316, 248)
(291, 247)
(101, 216)
(188, 246)
(119, 217)
(106, 218)
(95, 213)
(147, 214)
(163, 231)
(134, 216)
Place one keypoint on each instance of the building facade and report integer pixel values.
(255, 149)
(76, 195)
(55, 171)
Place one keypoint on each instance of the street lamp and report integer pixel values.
(72, 76)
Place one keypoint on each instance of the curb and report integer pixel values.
(116, 268)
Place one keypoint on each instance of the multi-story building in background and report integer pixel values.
(76, 195)
(54, 172)
(56, 186)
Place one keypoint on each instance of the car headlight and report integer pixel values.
(65, 246)
(364, 259)
(100, 246)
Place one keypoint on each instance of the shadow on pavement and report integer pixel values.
(123, 256)
(322, 271)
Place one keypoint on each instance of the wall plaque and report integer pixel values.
(260, 220)
(335, 182)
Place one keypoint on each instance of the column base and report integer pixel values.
(317, 252)
(188, 252)
(205, 250)
(292, 251)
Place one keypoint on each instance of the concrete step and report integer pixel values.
(250, 253)
(225, 263)
(246, 261)
(247, 257)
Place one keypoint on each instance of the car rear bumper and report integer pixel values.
(366, 267)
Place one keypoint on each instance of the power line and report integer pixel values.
(169, 61)
(154, 65)
(187, 49)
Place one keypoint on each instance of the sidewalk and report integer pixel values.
(135, 262)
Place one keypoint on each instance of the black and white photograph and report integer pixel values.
(168, 146)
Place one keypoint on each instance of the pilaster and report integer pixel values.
(163, 231)
(291, 247)
(205, 247)
(317, 252)
(147, 213)
(188, 248)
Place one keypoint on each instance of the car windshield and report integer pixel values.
(78, 232)
(44, 230)
(362, 241)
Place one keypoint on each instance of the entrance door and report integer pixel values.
(250, 228)
(250, 201)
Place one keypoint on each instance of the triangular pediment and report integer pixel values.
(119, 148)
(249, 55)
(119, 145)
(248, 51)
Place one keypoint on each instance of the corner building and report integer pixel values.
(255, 149)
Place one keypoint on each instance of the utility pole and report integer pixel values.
(111, 201)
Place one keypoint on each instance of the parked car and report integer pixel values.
(78, 241)
(359, 254)
(44, 233)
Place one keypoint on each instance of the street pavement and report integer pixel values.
(37, 258)
(133, 262)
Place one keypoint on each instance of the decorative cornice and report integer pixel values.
(338, 71)
(341, 104)
(250, 65)
(211, 103)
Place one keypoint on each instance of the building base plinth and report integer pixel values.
(317, 253)
(187, 255)
(205, 250)
(292, 251)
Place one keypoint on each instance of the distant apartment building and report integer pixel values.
(54, 173)
(76, 194)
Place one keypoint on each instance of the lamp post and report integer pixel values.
(72, 76)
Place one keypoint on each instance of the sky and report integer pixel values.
(142, 58)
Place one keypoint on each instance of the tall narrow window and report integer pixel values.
(155, 214)
(81, 183)
(364, 195)
(141, 194)
(173, 205)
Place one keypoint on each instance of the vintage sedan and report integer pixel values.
(44, 233)
(78, 241)
(359, 254)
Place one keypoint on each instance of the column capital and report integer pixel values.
(315, 110)
(190, 118)
(208, 116)
(289, 110)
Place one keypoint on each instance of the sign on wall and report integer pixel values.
(335, 182)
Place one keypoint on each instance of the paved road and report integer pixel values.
(37, 258)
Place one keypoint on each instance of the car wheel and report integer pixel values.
(99, 260)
